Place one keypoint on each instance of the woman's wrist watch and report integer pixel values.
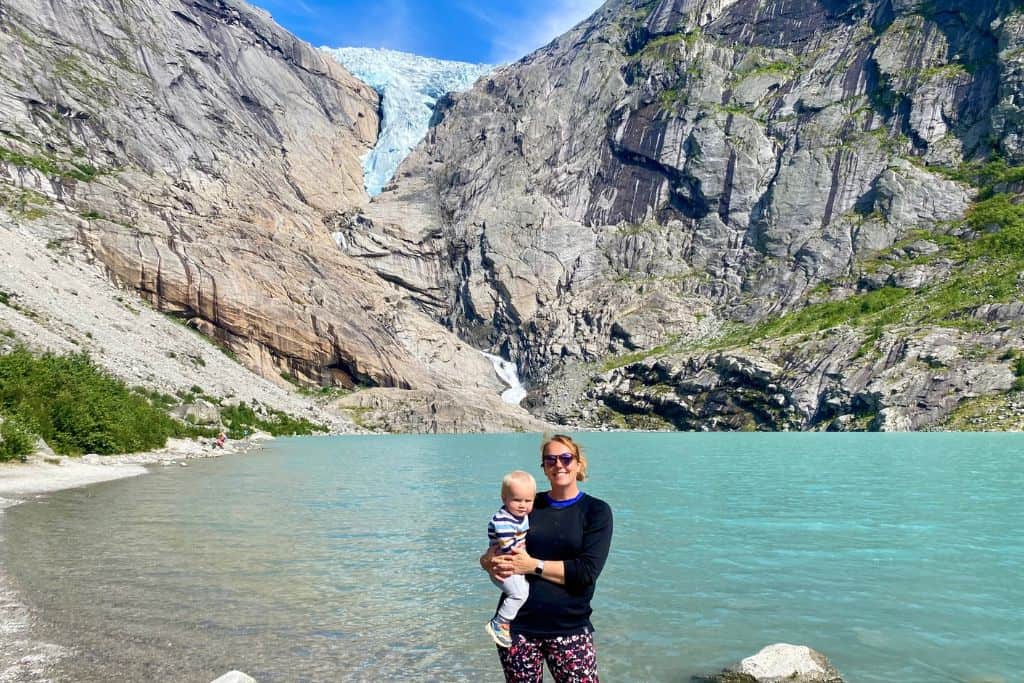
(539, 569)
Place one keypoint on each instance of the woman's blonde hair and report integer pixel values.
(574, 448)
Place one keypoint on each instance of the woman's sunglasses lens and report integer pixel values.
(566, 459)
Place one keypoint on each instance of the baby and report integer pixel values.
(507, 530)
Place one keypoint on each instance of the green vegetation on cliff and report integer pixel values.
(242, 420)
(77, 408)
(987, 262)
(51, 166)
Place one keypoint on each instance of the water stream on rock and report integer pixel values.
(509, 374)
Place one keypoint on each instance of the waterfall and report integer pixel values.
(509, 374)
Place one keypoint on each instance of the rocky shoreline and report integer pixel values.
(22, 659)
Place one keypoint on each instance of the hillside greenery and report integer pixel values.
(242, 420)
(988, 258)
(78, 408)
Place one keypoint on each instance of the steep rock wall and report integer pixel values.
(196, 149)
(669, 167)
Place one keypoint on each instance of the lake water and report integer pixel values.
(354, 558)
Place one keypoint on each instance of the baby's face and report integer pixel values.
(519, 499)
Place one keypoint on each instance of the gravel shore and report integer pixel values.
(23, 660)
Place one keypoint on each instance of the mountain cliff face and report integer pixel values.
(696, 214)
(731, 213)
(203, 155)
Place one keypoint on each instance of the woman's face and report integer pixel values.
(563, 471)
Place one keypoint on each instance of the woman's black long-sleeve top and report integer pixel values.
(580, 535)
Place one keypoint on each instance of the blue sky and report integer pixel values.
(492, 31)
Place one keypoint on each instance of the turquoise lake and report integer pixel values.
(900, 556)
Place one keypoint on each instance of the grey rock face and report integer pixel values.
(199, 152)
(835, 381)
(436, 412)
(670, 166)
(1008, 115)
(200, 412)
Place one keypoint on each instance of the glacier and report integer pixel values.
(409, 86)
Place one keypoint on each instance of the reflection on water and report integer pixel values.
(354, 558)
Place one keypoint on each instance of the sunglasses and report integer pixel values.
(566, 459)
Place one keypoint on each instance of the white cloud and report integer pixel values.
(286, 7)
(516, 37)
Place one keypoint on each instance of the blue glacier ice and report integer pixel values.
(409, 86)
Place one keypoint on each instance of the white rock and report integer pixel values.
(785, 662)
(235, 677)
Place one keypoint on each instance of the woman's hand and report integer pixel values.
(498, 565)
(522, 563)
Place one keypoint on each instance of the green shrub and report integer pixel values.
(1018, 371)
(15, 440)
(1002, 222)
(77, 408)
(51, 166)
(242, 420)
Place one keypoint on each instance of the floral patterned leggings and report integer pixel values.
(571, 659)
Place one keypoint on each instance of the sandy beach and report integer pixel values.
(23, 660)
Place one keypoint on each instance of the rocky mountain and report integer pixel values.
(200, 157)
(733, 214)
(690, 214)
(409, 86)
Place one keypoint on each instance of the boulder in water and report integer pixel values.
(235, 677)
(780, 663)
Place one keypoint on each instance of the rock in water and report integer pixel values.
(781, 663)
(235, 677)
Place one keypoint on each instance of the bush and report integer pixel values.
(1018, 372)
(242, 420)
(1003, 222)
(77, 408)
(15, 440)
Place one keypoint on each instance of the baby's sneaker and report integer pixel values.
(499, 632)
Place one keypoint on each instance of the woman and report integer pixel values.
(566, 548)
